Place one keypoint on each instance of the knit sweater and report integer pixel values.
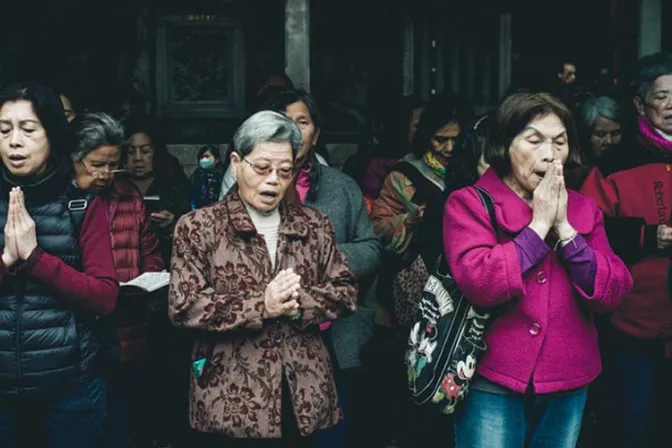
(339, 196)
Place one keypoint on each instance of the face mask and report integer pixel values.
(206, 164)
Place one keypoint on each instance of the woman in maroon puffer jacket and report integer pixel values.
(97, 140)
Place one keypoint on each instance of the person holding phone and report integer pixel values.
(165, 187)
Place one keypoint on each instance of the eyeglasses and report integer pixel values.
(99, 172)
(264, 169)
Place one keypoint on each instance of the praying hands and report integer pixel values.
(20, 236)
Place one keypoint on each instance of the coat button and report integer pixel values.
(541, 277)
(535, 329)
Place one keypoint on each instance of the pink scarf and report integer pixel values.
(649, 132)
(302, 183)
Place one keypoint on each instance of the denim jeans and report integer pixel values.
(67, 420)
(490, 420)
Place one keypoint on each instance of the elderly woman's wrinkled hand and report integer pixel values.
(545, 203)
(164, 218)
(561, 225)
(417, 216)
(280, 298)
(664, 237)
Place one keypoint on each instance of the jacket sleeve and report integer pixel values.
(612, 278)
(336, 291)
(362, 250)
(630, 237)
(487, 272)
(192, 301)
(96, 287)
(194, 189)
(150, 251)
(392, 213)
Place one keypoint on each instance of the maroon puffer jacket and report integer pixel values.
(135, 248)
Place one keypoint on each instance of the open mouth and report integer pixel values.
(17, 158)
(541, 174)
(268, 195)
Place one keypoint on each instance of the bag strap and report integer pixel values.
(77, 206)
(489, 205)
(424, 188)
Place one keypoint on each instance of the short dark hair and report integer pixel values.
(469, 148)
(49, 110)
(515, 113)
(648, 69)
(279, 101)
(442, 109)
(560, 65)
(212, 149)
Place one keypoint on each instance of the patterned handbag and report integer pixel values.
(446, 340)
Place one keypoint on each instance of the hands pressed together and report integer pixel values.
(281, 295)
(20, 236)
(549, 204)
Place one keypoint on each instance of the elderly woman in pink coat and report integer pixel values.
(544, 270)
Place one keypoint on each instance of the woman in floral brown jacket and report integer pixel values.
(257, 275)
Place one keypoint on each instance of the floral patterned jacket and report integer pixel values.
(220, 269)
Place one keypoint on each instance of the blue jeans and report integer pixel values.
(489, 420)
(70, 420)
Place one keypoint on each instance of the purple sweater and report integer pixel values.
(577, 256)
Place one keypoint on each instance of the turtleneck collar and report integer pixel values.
(40, 188)
(648, 131)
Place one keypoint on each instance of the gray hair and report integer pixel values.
(649, 68)
(90, 131)
(602, 106)
(266, 126)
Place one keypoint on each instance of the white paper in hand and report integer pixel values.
(149, 281)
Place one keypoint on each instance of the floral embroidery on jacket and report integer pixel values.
(220, 269)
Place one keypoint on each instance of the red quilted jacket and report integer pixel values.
(135, 248)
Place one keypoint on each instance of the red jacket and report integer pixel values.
(633, 187)
(135, 249)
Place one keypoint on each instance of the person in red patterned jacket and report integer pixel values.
(632, 184)
(97, 139)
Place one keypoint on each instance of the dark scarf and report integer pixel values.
(39, 188)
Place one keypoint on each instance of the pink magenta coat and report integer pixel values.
(545, 334)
